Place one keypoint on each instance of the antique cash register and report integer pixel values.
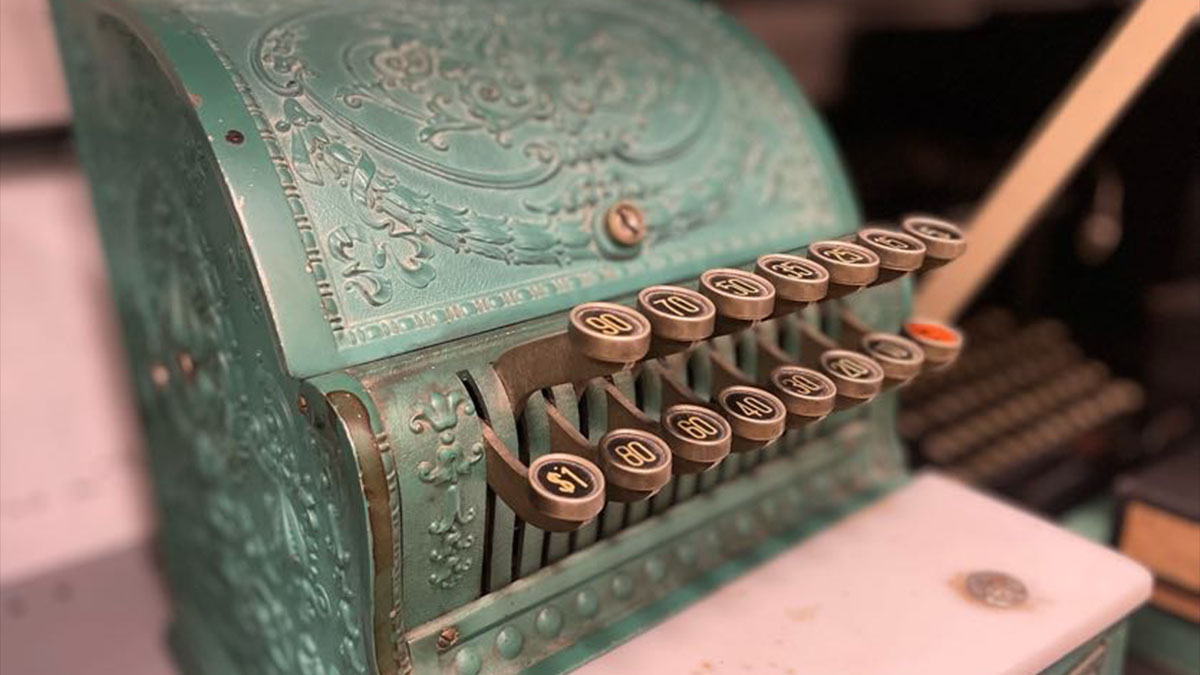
(480, 337)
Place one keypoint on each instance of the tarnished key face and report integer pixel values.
(900, 358)
(695, 433)
(896, 250)
(804, 391)
(753, 414)
(737, 294)
(566, 487)
(854, 375)
(941, 343)
(848, 264)
(609, 332)
(944, 241)
(634, 460)
(678, 314)
(796, 279)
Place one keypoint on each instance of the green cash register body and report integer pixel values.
(477, 337)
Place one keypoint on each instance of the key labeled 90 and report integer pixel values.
(609, 332)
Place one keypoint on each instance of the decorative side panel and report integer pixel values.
(447, 164)
(264, 533)
(437, 454)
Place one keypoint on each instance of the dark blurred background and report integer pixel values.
(928, 99)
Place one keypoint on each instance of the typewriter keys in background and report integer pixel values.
(677, 314)
(566, 487)
(609, 332)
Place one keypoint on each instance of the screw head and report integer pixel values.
(996, 589)
(626, 223)
(160, 375)
(186, 363)
(447, 637)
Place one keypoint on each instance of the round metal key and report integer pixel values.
(635, 460)
(896, 250)
(679, 314)
(855, 375)
(848, 264)
(738, 294)
(943, 239)
(941, 343)
(609, 332)
(804, 392)
(752, 413)
(900, 358)
(795, 279)
(566, 487)
(695, 433)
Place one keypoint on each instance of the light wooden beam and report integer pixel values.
(1122, 65)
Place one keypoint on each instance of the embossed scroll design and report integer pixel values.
(451, 553)
(254, 530)
(506, 97)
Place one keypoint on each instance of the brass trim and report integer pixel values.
(356, 422)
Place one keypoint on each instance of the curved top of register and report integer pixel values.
(407, 172)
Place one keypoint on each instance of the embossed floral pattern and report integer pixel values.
(451, 553)
(257, 539)
(564, 98)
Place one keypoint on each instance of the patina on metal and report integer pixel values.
(345, 243)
